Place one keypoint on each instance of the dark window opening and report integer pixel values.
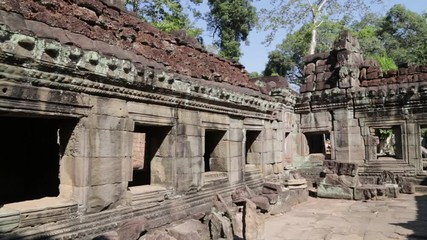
(146, 143)
(389, 144)
(213, 150)
(423, 145)
(319, 143)
(31, 151)
(251, 137)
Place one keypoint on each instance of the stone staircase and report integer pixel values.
(421, 184)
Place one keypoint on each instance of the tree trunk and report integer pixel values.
(313, 42)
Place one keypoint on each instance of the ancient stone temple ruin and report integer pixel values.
(111, 129)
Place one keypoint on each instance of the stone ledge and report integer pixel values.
(41, 211)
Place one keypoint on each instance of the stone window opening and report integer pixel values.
(423, 146)
(252, 142)
(319, 143)
(388, 143)
(147, 141)
(32, 149)
(214, 156)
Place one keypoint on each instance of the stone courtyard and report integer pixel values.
(404, 217)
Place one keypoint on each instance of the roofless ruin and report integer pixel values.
(111, 129)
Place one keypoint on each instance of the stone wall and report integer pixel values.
(105, 78)
(97, 26)
(351, 98)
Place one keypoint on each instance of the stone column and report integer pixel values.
(349, 145)
(97, 164)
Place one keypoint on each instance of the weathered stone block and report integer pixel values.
(133, 228)
(189, 230)
(105, 196)
(188, 130)
(392, 190)
(341, 180)
(261, 202)
(235, 149)
(109, 106)
(105, 170)
(220, 227)
(369, 191)
(235, 135)
(253, 158)
(112, 235)
(331, 191)
(157, 235)
(253, 224)
(273, 198)
(9, 219)
(270, 187)
(340, 168)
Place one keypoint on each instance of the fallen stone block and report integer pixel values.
(369, 192)
(340, 168)
(157, 235)
(270, 187)
(190, 230)
(112, 235)
(133, 228)
(220, 227)
(261, 202)
(392, 190)
(272, 198)
(341, 180)
(253, 223)
(337, 192)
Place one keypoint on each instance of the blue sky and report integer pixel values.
(255, 54)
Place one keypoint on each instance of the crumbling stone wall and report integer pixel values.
(90, 63)
(351, 97)
(96, 26)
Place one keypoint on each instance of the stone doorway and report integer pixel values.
(31, 151)
(147, 141)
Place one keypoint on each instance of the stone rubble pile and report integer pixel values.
(240, 216)
(341, 181)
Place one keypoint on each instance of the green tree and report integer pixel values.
(254, 75)
(288, 57)
(231, 21)
(313, 13)
(167, 15)
(404, 35)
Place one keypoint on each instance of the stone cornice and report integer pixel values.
(93, 73)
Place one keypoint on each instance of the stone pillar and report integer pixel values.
(236, 146)
(349, 144)
(189, 151)
(97, 164)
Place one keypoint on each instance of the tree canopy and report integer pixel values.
(167, 15)
(287, 58)
(311, 13)
(404, 34)
(231, 21)
(398, 37)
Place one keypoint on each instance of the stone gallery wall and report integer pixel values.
(100, 84)
(362, 107)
